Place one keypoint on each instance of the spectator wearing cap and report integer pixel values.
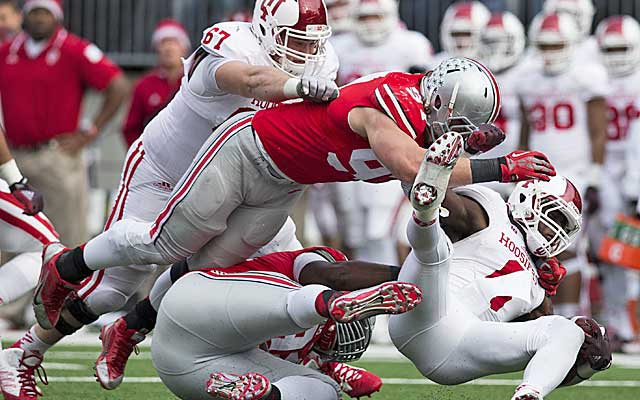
(10, 20)
(44, 72)
(155, 89)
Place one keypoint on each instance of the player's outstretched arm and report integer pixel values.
(270, 84)
(347, 275)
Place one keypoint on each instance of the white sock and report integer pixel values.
(160, 288)
(301, 306)
(429, 242)
(31, 343)
(305, 388)
(19, 276)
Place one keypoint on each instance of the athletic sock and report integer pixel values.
(143, 317)
(301, 305)
(31, 343)
(322, 302)
(72, 267)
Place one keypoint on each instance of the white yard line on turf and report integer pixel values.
(387, 381)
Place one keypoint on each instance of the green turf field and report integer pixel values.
(70, 375)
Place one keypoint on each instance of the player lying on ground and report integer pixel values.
(217, 338)
(446, 341)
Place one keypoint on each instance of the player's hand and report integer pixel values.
(485, 138)
(72, 143)
(595, 349)
(317, 89)
(30, 198)
(524, 165)
(550, 274)
(592, 199)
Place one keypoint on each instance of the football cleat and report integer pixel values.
(433, 176)
(51, 291)
(386, 298)
(118, 343)
(524, 392)
(249, 386)
(356, 382)
(18, 375)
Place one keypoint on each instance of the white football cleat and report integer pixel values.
(432, 180)
(18, 375)
(249, 386)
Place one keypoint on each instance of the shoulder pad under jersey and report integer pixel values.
(233, 40)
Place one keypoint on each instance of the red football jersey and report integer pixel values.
(281, 262)
(313, 142)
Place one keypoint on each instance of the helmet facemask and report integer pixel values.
(287, 56)
(351, 340)
(555, 56)
(621, 60)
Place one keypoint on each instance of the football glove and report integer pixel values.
(317, 89)
(524, 165)
(550, 274)
(30, 199)
(485, 138)
(595, 349)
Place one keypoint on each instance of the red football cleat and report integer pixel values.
(250, 386)
(51, 291)
(354, 381)
(18, 375)
(118, 343)
(386, 298)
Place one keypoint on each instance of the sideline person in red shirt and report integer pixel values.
(155, 89)
(44, 73)
(10, 20)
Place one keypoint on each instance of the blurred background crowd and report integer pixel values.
(569, 72)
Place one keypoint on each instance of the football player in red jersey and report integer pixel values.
(239, 189)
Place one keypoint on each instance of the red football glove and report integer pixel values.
(550, 274)
(485, 138)
(30, 199)
(524, 165)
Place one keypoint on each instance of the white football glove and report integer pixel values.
(317, 89)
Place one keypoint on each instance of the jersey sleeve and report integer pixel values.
(203, 80)
(96, 70)
(402, 103)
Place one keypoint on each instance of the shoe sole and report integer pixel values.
(387, 298)
(38, 306)
(258, 386)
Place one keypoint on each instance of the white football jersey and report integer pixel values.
(402, 50)
(173, 138)
(491, 271)
(557, 112)
(623, 110)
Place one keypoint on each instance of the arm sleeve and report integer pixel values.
(96, 70)
(134, 122)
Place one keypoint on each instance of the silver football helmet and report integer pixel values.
(459, 95)
(351, 340)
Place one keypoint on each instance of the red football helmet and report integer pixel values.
(293, 32)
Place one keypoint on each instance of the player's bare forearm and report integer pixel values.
(465, 218)
(597, 112)
(251, 81)
(525, 129)
(347, 275)
(114, 96)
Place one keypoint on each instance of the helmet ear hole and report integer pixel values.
(437, 103)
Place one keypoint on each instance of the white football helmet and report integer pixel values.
(503, 41)
(375, 19)
(582, 11)
(619, 43)
(458, 95)
(549, 213)
(277, 23)
(340, 15)
(461, 27)
(555, 36)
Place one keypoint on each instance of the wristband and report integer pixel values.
(486, 170)
(290, 88)
(10, 173)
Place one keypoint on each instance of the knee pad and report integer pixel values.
(80, 311)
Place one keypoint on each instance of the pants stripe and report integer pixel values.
(259, 277)
(202, 163)
(12, 214)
